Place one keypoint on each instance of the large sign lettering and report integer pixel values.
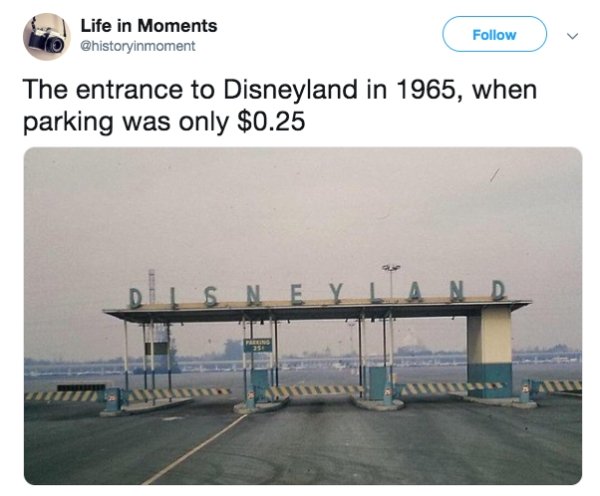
(253, 294)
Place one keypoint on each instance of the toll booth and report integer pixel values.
(378, 376)
(261, 379)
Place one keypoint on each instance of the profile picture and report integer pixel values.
(46, 36)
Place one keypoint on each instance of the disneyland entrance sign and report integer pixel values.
(456, 294)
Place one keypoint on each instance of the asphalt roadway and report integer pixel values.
(311, 441)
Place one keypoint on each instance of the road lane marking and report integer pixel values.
(181, 459)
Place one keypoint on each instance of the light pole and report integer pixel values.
(391, 268)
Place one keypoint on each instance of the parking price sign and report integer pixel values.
(256, 345)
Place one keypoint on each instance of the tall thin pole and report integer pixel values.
(276, 355)
(152, 299)
(151, 287)
(271, 364)
(244, 358)
(384, 344)
(391, 325)
(126, 358)
(360, 360)
(391, 346)
(145, 359)
(366, 352)
(169, 356)
(391, 268)
(152, 358)
(251, 353)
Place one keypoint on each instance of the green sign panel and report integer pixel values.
(258, 345)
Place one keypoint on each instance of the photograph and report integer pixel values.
(302, 316)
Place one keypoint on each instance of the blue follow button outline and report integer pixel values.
(494, 17)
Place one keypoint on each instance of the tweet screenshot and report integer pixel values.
(318, 243)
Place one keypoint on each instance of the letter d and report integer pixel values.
(497, 290)
(135, 298)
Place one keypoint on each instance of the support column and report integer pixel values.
(276, 355)
(126, 358)
(365, 352)
(251, 353)
(489, 351)
(145, 361)
(360, 360)
(391, 348)
(244, 359)
(152, 356)
(271, 362)
(169, 355)
(384, 344)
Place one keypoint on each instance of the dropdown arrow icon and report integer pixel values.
(573, 36)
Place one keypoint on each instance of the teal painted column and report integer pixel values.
(489, 350)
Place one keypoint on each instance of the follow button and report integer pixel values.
(494, 34)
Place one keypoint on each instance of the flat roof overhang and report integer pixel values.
(310, 310)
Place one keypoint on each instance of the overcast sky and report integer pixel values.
(96, 220)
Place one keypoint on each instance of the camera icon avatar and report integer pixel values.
(48, 40)
(46, 36)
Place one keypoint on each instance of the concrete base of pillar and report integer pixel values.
(510, 402)
(377, 406)
(490, 372)
(242, 408)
